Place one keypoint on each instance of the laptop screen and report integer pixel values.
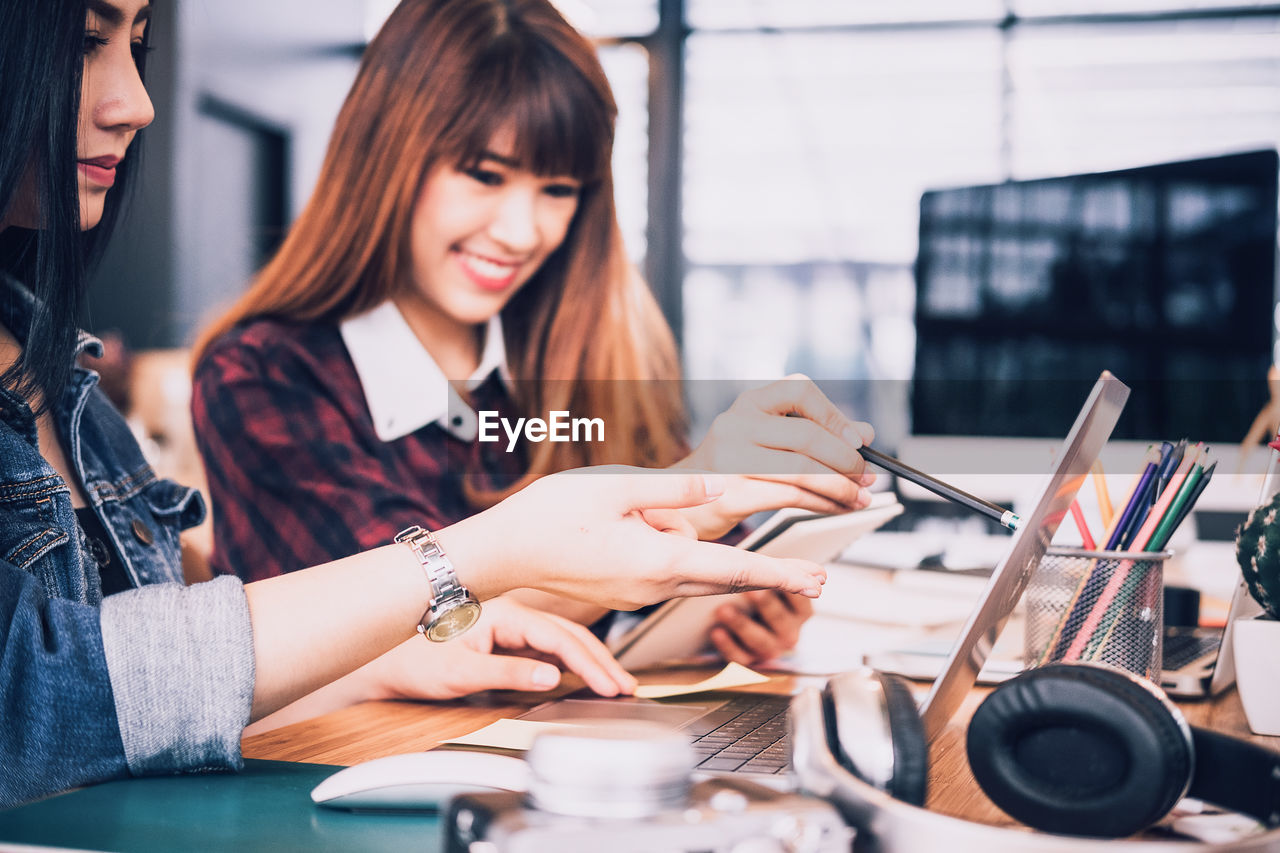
(1084, 442)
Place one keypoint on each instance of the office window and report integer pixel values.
(805, 158)
(1105, 96)
(611, 18)
(1034, 8)
(805, 147)
(761, 14)
(812, 128)
(627, 68)
(376, 13)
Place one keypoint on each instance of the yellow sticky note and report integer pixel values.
(508, 734)
(733, 675)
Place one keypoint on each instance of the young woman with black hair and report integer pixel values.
(160, 677)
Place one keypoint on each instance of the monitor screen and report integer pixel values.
(1165, 275)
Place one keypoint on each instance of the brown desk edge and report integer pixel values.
(376, 729)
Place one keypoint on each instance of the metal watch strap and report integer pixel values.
(441, 577)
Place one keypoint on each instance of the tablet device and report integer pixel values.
(678, 629)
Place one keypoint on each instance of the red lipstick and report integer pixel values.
(100, 170)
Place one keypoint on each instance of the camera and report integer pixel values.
(627, 787)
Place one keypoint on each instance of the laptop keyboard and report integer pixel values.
(1182, 649)
(747, 734)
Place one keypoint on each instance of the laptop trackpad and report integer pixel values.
(616, 709)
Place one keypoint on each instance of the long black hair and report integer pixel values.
(41, 65)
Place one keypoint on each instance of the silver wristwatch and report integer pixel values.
(453, 608)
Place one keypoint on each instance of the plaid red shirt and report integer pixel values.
(297, 473)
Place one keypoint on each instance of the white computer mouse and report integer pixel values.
(423, 781)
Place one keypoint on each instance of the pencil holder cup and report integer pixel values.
(1097, 606)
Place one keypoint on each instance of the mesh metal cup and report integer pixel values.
(1099, 606)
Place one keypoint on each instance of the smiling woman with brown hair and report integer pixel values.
(463, 97)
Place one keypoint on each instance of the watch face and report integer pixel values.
(453, 622)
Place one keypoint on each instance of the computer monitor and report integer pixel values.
(1164, 274)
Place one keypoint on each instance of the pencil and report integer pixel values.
(1169, 461)
(1137, 494)
(1176, 510)
(1073, 613)
(1200, 487)
(1168, 523)
(1092, 632)
(1166, 472)
(1000, 515)
(1078, 514)
(1104, 497)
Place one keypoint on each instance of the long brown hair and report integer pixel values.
(441, 78)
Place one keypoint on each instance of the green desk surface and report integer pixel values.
(267, 806)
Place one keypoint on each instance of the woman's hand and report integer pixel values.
(507, 649)
(782, 445)
(768, 626)
(596, 534)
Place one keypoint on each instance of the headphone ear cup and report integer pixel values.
(1081, 750)
(910, 747)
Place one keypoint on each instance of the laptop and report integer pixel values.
(745, 734)
(1200, 662)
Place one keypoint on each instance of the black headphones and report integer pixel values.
(1076, 749)
(1090, 750)
(874, 729)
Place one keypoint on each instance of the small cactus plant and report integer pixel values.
(1258, 553)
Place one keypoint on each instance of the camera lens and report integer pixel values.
(610, 769)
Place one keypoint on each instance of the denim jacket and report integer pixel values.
(151, 680)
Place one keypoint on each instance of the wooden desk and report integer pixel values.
(376, 729)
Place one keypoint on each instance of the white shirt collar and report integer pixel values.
(403, 386)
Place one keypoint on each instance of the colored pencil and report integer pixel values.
(1099, 623)
(1200, 487)
(1166, 474)
(1073, 612)
(1104, 497)
(1175, 511)
(1169, 461)
(1078, 514)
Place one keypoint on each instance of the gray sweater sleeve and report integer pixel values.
(180, 659)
